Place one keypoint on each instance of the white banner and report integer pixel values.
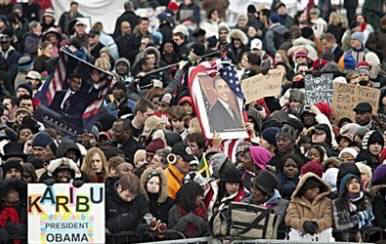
(62, 213)
(105, 11)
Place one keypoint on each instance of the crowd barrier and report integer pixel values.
(210, 240)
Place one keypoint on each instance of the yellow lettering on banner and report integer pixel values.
(260, 86)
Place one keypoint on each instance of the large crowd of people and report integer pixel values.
(320, 173)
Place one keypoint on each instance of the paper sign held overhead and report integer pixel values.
(318, 88)
(260, 86)
(347, 96)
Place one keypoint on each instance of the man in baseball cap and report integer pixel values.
(179, 166)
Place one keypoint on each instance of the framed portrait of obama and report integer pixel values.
(218, 108)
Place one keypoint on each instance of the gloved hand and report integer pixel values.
(310, 227)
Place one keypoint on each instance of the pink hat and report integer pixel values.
(260, 156)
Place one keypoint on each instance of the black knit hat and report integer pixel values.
(12, 164)
(265, 182)
(231, 175)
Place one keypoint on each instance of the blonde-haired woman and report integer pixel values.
(95, 166)
(337, 25)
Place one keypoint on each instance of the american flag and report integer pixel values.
(55, 82)
(228, 72)
(224, 68)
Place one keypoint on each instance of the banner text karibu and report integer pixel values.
(62, 213)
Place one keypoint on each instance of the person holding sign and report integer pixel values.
(222, 115)
(363, 115)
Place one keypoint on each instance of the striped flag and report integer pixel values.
(220, 67)
(55, 82)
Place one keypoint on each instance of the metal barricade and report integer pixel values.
(287, 242)
(202, 240)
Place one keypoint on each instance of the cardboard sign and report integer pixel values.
(260, 86)
(318, 88)
(347, 96)
(62, 213)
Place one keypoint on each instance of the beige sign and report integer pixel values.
(260, 86)
(347, 96)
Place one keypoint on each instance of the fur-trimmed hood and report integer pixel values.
(146, 175)
(65, 163)
(123, 60)
(325, 189)
(238, 34)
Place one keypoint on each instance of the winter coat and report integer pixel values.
(378, 194)
(376, 43)
(8, 66)
(373, 11)
(175, 180)
(31, 43)
(124, 216)
(287, 185)
(128, 46)
(191, 224)
(351, 215)
(159, 204)
(301, 210)
(269, 39)
(129, 16)
(364, 155)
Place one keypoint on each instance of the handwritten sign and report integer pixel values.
(260, 86)
(347, 96)
(62, 213)
(318, 88)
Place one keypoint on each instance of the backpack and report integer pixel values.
(244, 221)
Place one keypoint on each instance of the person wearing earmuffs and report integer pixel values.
(179, 165)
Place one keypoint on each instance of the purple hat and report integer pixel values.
(260, 156)
(379, 176)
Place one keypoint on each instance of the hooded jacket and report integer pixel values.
(124, 77)
(351, 214)
(300, 209)
(159, 204)
(65, 146)
(370, 137)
